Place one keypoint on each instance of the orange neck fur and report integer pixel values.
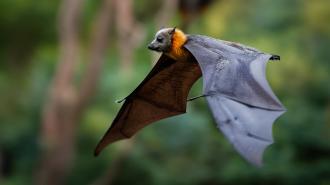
(177, 52)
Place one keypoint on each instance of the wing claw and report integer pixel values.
(275, 57)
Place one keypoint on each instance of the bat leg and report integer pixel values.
(275, 57)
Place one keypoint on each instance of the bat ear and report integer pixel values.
(172, 31)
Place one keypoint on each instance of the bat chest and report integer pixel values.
(180, 54)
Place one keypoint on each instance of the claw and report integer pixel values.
(275, 57)
(119, 101)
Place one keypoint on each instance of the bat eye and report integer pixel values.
(159, 39)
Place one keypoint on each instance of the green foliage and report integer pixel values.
(184, 149)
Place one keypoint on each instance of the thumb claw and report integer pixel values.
(119, 101)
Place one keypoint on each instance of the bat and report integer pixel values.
(234, 84)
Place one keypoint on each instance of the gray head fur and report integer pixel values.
(163, 40)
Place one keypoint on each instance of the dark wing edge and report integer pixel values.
(246, 121)
(161, 94)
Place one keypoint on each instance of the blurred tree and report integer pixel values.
(65, 104)
(113, 170)
(166, 12)
(192, 9)
(60, 114)
(128, 31)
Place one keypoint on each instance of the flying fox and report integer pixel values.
(242, 102)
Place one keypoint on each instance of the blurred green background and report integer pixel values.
(64, 63)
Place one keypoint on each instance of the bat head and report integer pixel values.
(163, 40)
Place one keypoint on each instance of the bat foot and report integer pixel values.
(275, 57)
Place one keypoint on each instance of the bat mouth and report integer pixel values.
(154, 48)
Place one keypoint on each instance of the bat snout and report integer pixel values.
(153, 47)
(150, 46)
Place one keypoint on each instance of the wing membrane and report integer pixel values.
(238, 94)
(163, 93)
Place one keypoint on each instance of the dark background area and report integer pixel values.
(64, 63)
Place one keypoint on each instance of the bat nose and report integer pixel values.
(150, 46)
(153, 46)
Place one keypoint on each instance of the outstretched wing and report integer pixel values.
(239, 96)
(163, 93)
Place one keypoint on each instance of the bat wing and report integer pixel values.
(163, 93)
(238, 94)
